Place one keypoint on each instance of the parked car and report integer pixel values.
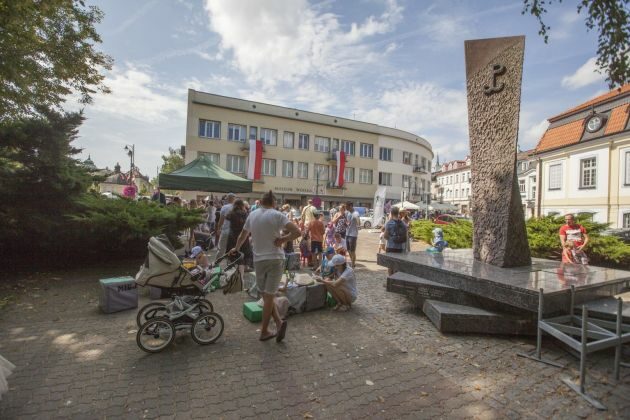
(621, 233)
(367, 220)
(445, 219)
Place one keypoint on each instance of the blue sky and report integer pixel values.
(397, 63)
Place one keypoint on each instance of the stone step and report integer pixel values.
(606, 308)
(419, 289)
(453, 318)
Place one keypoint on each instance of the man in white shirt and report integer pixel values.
(266, 226)
(222, 230)
(352, 231)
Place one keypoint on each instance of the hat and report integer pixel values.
(230, 195)
(338, 260)
(195, 251)
(330, 250)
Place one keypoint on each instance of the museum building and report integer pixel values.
(298, 157)
(584, 160)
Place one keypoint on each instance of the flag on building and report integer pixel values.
(254, 166)
(341, 166)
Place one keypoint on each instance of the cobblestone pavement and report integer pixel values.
(381, 360)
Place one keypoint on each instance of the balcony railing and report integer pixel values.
(331, 185)
(420, 169)
(245, 147)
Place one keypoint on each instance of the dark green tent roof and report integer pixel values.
(203, 175)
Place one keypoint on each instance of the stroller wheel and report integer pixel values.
(155, 335)
(207, 328)
(150, 311)
(206, 305)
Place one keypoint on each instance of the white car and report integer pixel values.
(366, 221)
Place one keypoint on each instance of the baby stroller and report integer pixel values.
(188, 309)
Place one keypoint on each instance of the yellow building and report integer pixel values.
(584, 161)
(299, 146)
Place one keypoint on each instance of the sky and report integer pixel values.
(396, 63)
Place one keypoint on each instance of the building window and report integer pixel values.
(334, 146)
(288, 139)
(407, 158)
(269, 167)
(348, 175)
(385, 154)
(237, 132)
(384, 178)
(253, 133)
(303, 142)
(456, 193)
(588, 173)
(214, 157)
(424, 162)
(467, 192)
(287, 169)
(210, 129)
(555, 177)
(627, 174)
(365, 176)
(269, 136)
(302, 170)
(367, 150)
(521, 185)
(321, 171)
(626, 221)
(348, 147)
(322, 144)
(456, 179)
(406, 180)
(235, 164)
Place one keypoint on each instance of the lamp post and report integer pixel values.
(131, 152)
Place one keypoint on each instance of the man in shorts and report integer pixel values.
(574, 232)
(266, 226)
(352, 231)
(395, 234)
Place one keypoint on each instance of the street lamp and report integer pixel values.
(131, 152)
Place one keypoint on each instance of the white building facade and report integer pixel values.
(453, 184)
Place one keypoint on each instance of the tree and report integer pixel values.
(174, 160)
(47, 52)
(612, 20)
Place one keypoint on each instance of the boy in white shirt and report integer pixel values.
(344, 288)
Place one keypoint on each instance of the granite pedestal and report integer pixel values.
(456, 277)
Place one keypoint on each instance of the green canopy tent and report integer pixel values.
(203, 175)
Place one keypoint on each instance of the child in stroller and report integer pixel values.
(188, 309)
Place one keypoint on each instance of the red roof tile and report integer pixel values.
(601, 98)
(618, 119)
(560, 136)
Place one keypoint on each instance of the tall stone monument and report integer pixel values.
(494, 69)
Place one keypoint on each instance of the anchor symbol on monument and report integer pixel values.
(497, 70)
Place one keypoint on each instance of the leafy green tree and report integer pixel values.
(174, 160)
(40, 179)
(611, 18)
(47, 52)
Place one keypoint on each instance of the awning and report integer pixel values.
(203, 175)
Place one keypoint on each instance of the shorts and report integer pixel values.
(351, 242)
(394, 250)
(316, 247)
(268, 275)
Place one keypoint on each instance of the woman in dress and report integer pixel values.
(340, 221)
(237, 217)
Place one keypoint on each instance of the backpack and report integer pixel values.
(399, 235)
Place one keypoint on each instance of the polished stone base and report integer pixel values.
(515, 287)
(606, 308)
(453, 318)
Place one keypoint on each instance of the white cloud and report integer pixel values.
(418, 107)
(586, 75)
(531, 135)
(287, 40)
(137, 95)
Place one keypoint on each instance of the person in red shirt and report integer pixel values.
(316, 229)
(572, 231)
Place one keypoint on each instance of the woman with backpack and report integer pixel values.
(395, 234)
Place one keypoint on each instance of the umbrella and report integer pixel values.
(406, 205)
(442, 207)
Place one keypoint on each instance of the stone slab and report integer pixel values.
(453, 318)
(606, 308)
(517, 287)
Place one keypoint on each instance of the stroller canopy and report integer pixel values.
(159, 266)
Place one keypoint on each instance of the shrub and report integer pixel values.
(542, 234)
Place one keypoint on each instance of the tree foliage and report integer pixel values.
(174, 160)
(47, 52)
(611, 18)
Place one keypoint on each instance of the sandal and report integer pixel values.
(281, 332)
(268, 337)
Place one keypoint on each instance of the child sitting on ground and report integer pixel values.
(325, 269)
(344, 288)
